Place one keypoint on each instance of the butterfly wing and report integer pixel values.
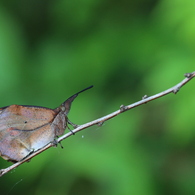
(24, 129)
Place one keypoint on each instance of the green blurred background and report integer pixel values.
(51, 49)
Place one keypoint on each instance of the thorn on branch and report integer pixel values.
(100, 123)
(175, 90)
(122, 108)
(144, 97)
(188, 75)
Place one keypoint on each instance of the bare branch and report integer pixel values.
(101, 120)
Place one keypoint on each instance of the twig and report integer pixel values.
(101, 120)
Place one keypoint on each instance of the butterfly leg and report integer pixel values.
(55, 143)
(74, 125)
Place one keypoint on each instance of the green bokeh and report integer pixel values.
(51, 49)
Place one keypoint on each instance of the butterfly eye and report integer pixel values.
(25, 122)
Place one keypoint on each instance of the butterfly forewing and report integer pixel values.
(24, 129)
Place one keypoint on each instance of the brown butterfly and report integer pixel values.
(25, 129)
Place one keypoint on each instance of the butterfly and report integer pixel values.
(25, 129)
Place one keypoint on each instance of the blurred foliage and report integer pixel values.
(126, 49)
